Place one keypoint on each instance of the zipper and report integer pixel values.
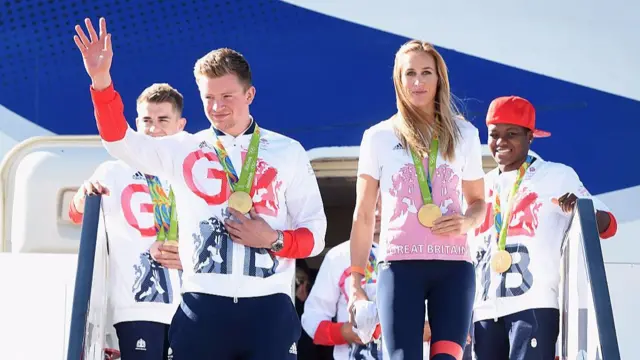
(236, 271)
(238, 250)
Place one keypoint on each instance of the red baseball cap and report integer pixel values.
(514, 110)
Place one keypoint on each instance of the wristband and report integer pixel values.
(357, 269)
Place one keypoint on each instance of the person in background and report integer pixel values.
(529, 206)
(144, 279)
(303, 284)
(325, 317)
(307, 350)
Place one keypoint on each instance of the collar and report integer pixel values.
(533, 159)
(248, 131)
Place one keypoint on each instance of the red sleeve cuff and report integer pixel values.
(74, 214)
(377, 332)
(612, 229)
(329, 334)
(109, 113)
(104, 96)
(298, 244)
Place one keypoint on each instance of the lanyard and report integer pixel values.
(248, 172)
(165, 216)
(500, 226)
(424, 180)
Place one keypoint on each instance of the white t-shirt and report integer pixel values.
(140, 289)
(534, 239)
(329, 298)
(402, 237)
(285, 194)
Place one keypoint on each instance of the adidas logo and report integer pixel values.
(398, 147)
(138, 176)
(293, 349)
(141, 345)
(204, 145)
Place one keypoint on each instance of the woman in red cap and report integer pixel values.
(424, 160)
(529, 203)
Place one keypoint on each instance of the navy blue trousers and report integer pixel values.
(526, 335)
(142, 340)
(403, 286)
(209, 327)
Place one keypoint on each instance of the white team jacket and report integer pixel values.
(286, 197)
(329, 298)
(140, 289)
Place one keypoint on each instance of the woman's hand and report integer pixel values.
(451, 225)
(356, 292)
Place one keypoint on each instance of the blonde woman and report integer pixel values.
(424, 160)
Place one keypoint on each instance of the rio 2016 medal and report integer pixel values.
(501, 261)
(241, 201)
(428, 213)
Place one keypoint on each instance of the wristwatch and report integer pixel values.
(279, 243)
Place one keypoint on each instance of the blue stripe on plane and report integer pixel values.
(319, 79)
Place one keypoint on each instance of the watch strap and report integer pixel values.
(279, 243)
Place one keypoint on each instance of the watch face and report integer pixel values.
(278, 246)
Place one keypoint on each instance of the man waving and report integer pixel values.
(248, 205)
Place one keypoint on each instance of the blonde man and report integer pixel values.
(248, 204)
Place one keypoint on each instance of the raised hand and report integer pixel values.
(97, 53)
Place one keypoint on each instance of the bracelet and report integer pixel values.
(357, 269)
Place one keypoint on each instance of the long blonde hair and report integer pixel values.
(413, 125)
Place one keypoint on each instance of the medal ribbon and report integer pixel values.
(371, 269)
(165, 216)
(424, 180)
(500, 226)
(248, 171)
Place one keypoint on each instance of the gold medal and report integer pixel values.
(241, 201)
(171, 242)
(501, 261)
(428, 213)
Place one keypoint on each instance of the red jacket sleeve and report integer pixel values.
(612, 229)
(109, 113)
(329, 334)
(74, 214)
(298, 244)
